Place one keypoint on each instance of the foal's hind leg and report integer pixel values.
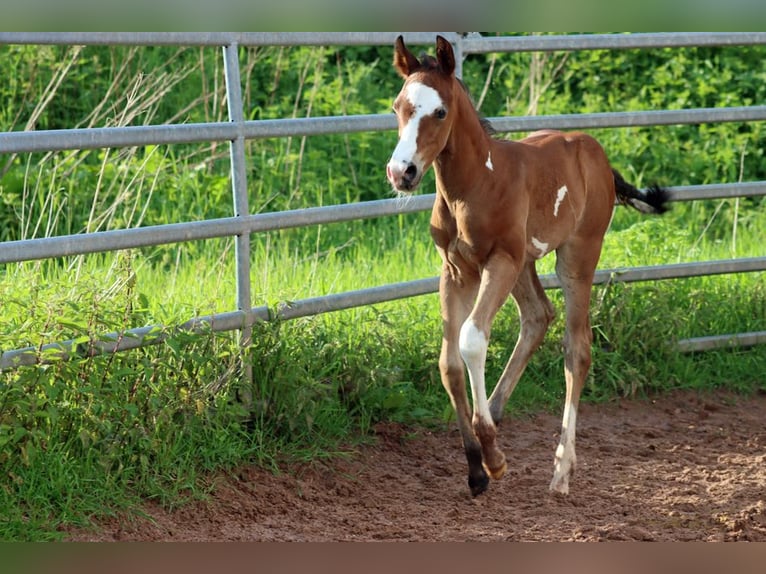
(575, 266)
(535, 313)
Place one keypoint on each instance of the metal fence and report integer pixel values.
(242, 224)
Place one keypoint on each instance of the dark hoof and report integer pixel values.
(478, 484)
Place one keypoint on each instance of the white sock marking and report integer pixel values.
(472, 341)
(565, 452)
(560, 195)
(568, 429)
(473, 349)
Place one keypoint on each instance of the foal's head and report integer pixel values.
(423, 109)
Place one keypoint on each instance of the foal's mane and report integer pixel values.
(429, 63)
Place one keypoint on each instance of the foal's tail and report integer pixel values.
(651, 200)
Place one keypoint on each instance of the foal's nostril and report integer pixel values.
(410, 172)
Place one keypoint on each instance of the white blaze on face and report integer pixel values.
(560, 195)
(425, 101)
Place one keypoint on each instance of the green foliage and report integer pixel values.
(84, 437)
(76, 434)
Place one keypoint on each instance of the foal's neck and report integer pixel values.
(465, 159)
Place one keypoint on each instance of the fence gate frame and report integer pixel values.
(241, 225)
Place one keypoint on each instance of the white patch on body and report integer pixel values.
(489, 165)
(541, 246)
(560, 195)
(425, 101)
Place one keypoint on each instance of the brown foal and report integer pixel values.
(500, 206)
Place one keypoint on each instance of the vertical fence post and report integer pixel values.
(459, 56)
(241, 208)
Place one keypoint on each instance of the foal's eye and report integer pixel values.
(440, 114)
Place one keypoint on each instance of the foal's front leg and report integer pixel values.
(456, 301)
(497, 279)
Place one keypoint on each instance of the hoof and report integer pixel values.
(478, 484)
(560, 485)
(499, 472)
(494, 463)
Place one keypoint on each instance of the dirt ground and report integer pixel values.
(682, 466)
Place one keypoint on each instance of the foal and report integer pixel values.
(500, 206)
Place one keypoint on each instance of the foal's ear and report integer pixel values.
(445, 55)
(404, 61)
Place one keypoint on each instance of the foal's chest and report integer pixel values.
(463, 237)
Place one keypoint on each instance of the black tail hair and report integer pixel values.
(653, 200)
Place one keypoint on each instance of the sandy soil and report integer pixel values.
(682, 466)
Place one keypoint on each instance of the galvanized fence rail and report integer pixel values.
(242, 224)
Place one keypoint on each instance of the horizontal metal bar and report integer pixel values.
(117, 342)
(713, 342)
(66, 245)
(471, 44)
(337, 302)
(670, 271)
(230, 321)
(677, 270)
(483, 44)
(96, 138)
(221, 38)
(717, 191)
(134, 338)
(360, 298)
(629, 119)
